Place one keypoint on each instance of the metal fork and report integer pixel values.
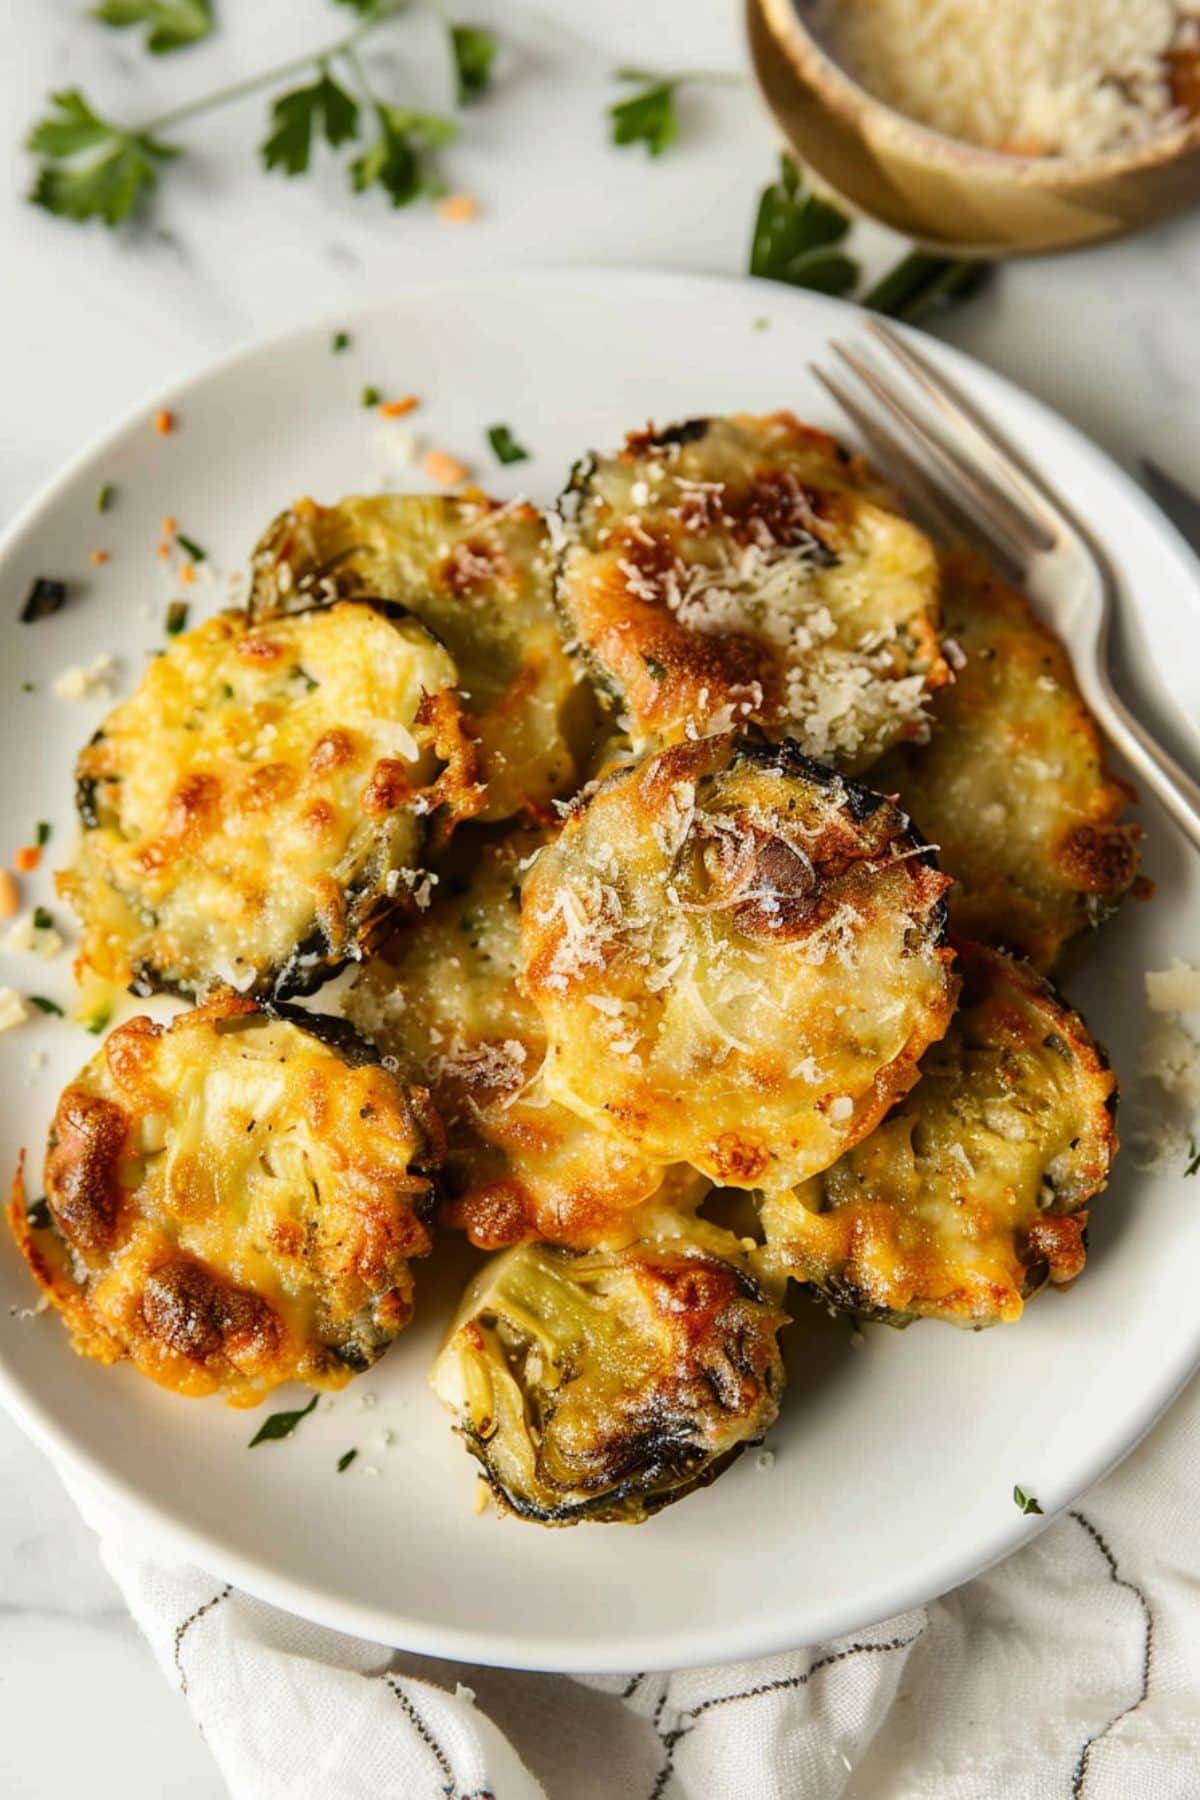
(954, 465)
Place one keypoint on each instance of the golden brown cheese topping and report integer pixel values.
(969, 1196)
(609, 1384)
(256, 811)
(1013, 786)
(478, 574)
(444, 1000)
(738, 959)
(750, 569)
(231, 1204)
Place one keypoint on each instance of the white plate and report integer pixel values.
(894, 1462)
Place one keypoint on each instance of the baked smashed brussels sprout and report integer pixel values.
(1012, 785)
(972, 1194)
(254, 815)
(738, 957)
(232, 1201)
(444, 1000)
(478, 574)
(606, 1384)
(744, 569)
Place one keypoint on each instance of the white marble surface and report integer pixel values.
(89, 322)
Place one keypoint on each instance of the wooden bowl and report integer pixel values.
(952, 196)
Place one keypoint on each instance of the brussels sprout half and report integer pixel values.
(606, 1384)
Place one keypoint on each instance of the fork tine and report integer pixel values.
(934, 500)
(1004, 463)
(978, 494)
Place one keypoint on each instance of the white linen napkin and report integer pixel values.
(1071, 1669)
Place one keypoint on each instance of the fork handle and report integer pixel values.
(1172, 786)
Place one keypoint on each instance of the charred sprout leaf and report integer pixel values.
(344, 1460)
(647, 117)
(91, 168)
(366, 9)
(474, 52)
(795, 234)
(1025, 1501)
(281, 1424)
(505, 445)
(170, 24)
(46, 1006)
(397, 160)
(46, 596)
(296, 117)
(608, 1384)
(921, 286)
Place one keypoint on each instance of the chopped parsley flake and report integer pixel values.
(46, 1006)
(190, 547)
(281, 1424)
(177, 617)
(505, 445)
(370, 396)
(1193, 1165)
(104, 498)
(42, 919)
(1025, 1501)
(42, 834)
(344, 1461)
(340, 342)
(99, 1021)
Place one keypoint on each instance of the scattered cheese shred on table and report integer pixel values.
(1176, 989)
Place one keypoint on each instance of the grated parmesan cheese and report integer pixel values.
(13, 1010)
(81, 682)
(1176, 989)
(1064, 78)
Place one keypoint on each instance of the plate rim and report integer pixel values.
(680, 1647)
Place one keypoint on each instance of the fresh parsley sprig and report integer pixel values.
(91, 167)
(650, 116)
(797, 237)
(170, 24)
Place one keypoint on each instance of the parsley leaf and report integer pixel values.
(340, 341)
(396, 161)
(177, 618)
(921, 285)
(344, 1460)
(364, 7)
(171, 24)
(324, 106)
(795, 234)
(43, 833)
(1025, 1501)
(91, 168)
(46, 1006)
(43, 919)
(505, 445)
(647, 117)
(280, 1424)
(190, 547)
(1193, 1166)
(474, 52)
(104, 498)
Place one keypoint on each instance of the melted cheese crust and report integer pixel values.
(750, 569)
(233, 1204)
(479, 575)
(255, 811)
(738, 958)
(1013, 786)
(609, 1384)
(968, 1197)
(445, 1001)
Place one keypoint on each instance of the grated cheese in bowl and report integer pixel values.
(1032, 77)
